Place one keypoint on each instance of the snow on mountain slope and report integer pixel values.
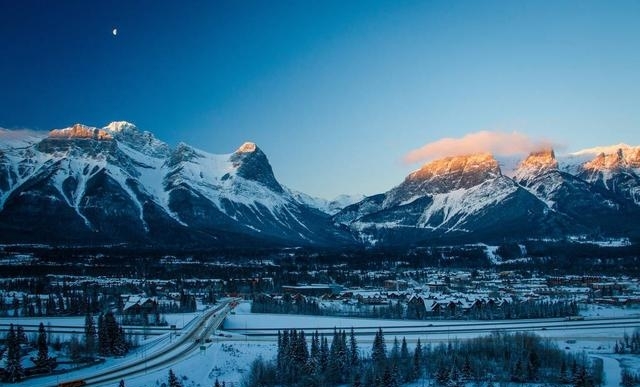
(20, 138)
(444, 175)
(125, 185)
(330, 207)
(217, 178)
(450, 210)
(615, 168)
(536, 164)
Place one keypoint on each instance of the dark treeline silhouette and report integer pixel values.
(520, 357)
(122, 261)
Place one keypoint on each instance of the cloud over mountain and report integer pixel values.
(494, 142)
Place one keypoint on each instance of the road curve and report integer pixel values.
(184, 345)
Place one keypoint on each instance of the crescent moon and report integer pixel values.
(115, 32)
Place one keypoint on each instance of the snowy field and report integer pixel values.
(228, 358)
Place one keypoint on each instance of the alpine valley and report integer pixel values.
(87, 186)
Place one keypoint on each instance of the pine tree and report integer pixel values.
(324, 355)
(173, 380)
(353, 349)
(43, 362)
(13, 370)
(394, 356)
(283, 355)
(315, 348)
(379, 351)
(334, 368)
(626, 378)
(532, 366)
(405, 362)
(442, 375)
(89, 335)
(103, 338)
(121, 384)
(416, 370)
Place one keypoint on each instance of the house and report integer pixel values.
(140, 310)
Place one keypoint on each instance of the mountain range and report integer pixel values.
(118, 184)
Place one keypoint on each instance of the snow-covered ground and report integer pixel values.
(229, 358)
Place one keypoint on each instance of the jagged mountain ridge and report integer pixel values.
(118, 184)
(468, 197)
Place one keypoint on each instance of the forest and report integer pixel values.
(485, 361)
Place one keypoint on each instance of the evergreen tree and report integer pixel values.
(405, 363)
(334, 368)
(115, 337)
(379, 351)
(103, 339)
(121, 384)
(13, 370)
(442, 375)
(89, 335)
(173, 380)
(533, 366)
(416, 370)
(315, 351)
(627, 379)
(283, 355)
(324, 355)
(43, 362)
(582, 378)
(353, 349)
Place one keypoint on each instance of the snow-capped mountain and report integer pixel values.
(469, 197)
(462, 196)
(613, 168)
(119, 184)
(580, 200)
(84, 185)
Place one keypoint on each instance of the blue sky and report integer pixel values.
(336, 93)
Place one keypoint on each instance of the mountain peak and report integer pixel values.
(253, 164)
(469, 170)
(537, 163)
(446, 175)
(247, 147)
(79, 131)
(119, 126)
(611, 158)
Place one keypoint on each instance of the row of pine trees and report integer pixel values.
(499, 357)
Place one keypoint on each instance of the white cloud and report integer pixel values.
(494, 142)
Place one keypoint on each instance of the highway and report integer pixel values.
(443, 330)
(75, 329)
(183, 346)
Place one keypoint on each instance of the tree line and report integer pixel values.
(495, 358)
(399, 309)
